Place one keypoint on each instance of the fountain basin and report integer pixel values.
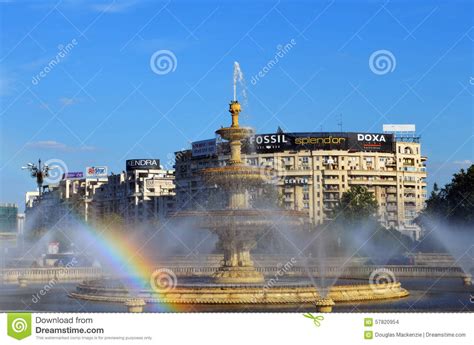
(248, 294)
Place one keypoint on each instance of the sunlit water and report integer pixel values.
(426, 295)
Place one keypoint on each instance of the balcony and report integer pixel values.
(392, 208)
(410, 207)
(330, 198)
(374, 181)
(409, 198)
(331, 181)
(392, 216)
(331, 188)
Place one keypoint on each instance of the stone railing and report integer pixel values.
(11, 275)
(354, 272)
(63, 274)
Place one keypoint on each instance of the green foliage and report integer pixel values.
(454, 202)
(356, 205)
(355, 228)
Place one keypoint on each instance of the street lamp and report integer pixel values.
(39, 172)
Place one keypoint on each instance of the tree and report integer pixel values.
(356, 205)
(454, 202)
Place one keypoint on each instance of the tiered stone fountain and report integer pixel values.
(237, 224)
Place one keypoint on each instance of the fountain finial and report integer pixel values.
(234, 110)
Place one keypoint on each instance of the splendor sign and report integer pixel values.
(277, 142)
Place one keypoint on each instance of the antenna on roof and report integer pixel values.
(340, 123)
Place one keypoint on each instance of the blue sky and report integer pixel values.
(102, 103)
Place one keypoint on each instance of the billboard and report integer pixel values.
(399, 128)
(74, 174)
(277, 142)
(146, 163)
(100, 171)
(204, 148)
(370, 142)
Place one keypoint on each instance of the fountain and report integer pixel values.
(238, 224)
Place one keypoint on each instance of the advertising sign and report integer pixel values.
(370, 142)
(297, 180)
(204, 148)
(146, 163)
(273, 142)
(74, 174)
(277, 142)
(319, 141)
(96, 171)
(398, 128)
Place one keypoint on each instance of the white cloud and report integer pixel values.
(113, 6)
(57, 146)
(464, 162)
(65, 101)
(6, 86)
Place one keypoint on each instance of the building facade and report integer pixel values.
(62, 204)
(8, 218)
(312, 170)
(10, 226)
(142, 193)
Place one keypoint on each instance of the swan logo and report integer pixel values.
(19, 325)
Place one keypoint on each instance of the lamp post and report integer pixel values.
(39, 172)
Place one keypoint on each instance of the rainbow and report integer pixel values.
(123, 257)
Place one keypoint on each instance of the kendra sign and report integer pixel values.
(134, 164)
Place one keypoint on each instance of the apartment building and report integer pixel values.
(312, 170)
